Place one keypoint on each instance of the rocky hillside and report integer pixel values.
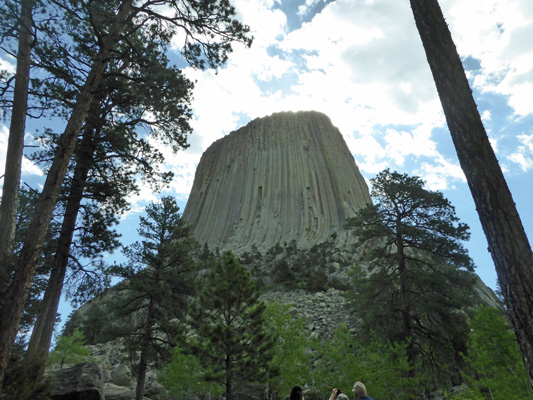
(286, 177)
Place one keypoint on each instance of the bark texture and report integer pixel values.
(41, 337)
(12, 303)
(286, 177)
(10, 191)
(507, 241)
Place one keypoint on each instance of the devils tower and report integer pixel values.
(286, 177)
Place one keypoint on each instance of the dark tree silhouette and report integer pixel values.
(421, 278)
(507, 240)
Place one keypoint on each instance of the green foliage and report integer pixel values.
(70, 349)
(382, 365)
(466, 394)
(421, 281)
(306, 269)
(494, 357)
(291, 362)
(228, 319)
(160, 277)
(337, 362)
(185, 378)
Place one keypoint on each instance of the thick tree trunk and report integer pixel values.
(507, 241)
(10, 194)
(37, 353)
(13, 302)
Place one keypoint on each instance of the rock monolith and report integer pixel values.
(289, 176)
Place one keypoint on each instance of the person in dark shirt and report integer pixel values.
(296, 393)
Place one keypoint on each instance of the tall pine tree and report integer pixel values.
(208, 29)
(507, 240)
(229, 321)
(421, 277)
(163, 265)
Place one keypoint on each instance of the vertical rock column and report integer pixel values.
(286, 177)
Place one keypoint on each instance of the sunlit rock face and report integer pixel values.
(286, 177)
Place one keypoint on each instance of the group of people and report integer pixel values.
(359, 390)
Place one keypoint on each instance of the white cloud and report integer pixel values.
(7, 66)
(305, 8)
(440, 174)
(523, 156)
(500, 37)
(401, 144)
(28, 167)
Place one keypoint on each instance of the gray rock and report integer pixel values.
(121, 375)
(284, 177)
(80, 382)
(115, 392)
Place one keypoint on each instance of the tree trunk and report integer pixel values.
(145, 345)
(229, 375)
(405, 298)
(10, 194)
(141, 376)
(507, 241)
(13, 302)
(37, 353)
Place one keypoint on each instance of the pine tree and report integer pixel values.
(209, 29)
(111, 154)
(228, 319)
(420, 276)
(507, 240)
(158, 290)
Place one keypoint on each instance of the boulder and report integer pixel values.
(121, 375)
(83, 381)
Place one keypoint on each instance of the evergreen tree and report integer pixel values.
(157, 291)
(229, 322)
(420, 276)
(111, 154)
(209, 29)
(21, 22)
(507, 240)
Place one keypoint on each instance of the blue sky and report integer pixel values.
(361, 62)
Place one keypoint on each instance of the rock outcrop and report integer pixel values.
(81, 382)
(286, 177)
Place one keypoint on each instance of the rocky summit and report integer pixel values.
(289, 176)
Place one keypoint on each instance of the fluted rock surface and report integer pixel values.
(286, 177)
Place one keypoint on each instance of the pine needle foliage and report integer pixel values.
(160, 281)
(419, 279)
(229, 322)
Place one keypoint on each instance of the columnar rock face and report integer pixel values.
(286, 177)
